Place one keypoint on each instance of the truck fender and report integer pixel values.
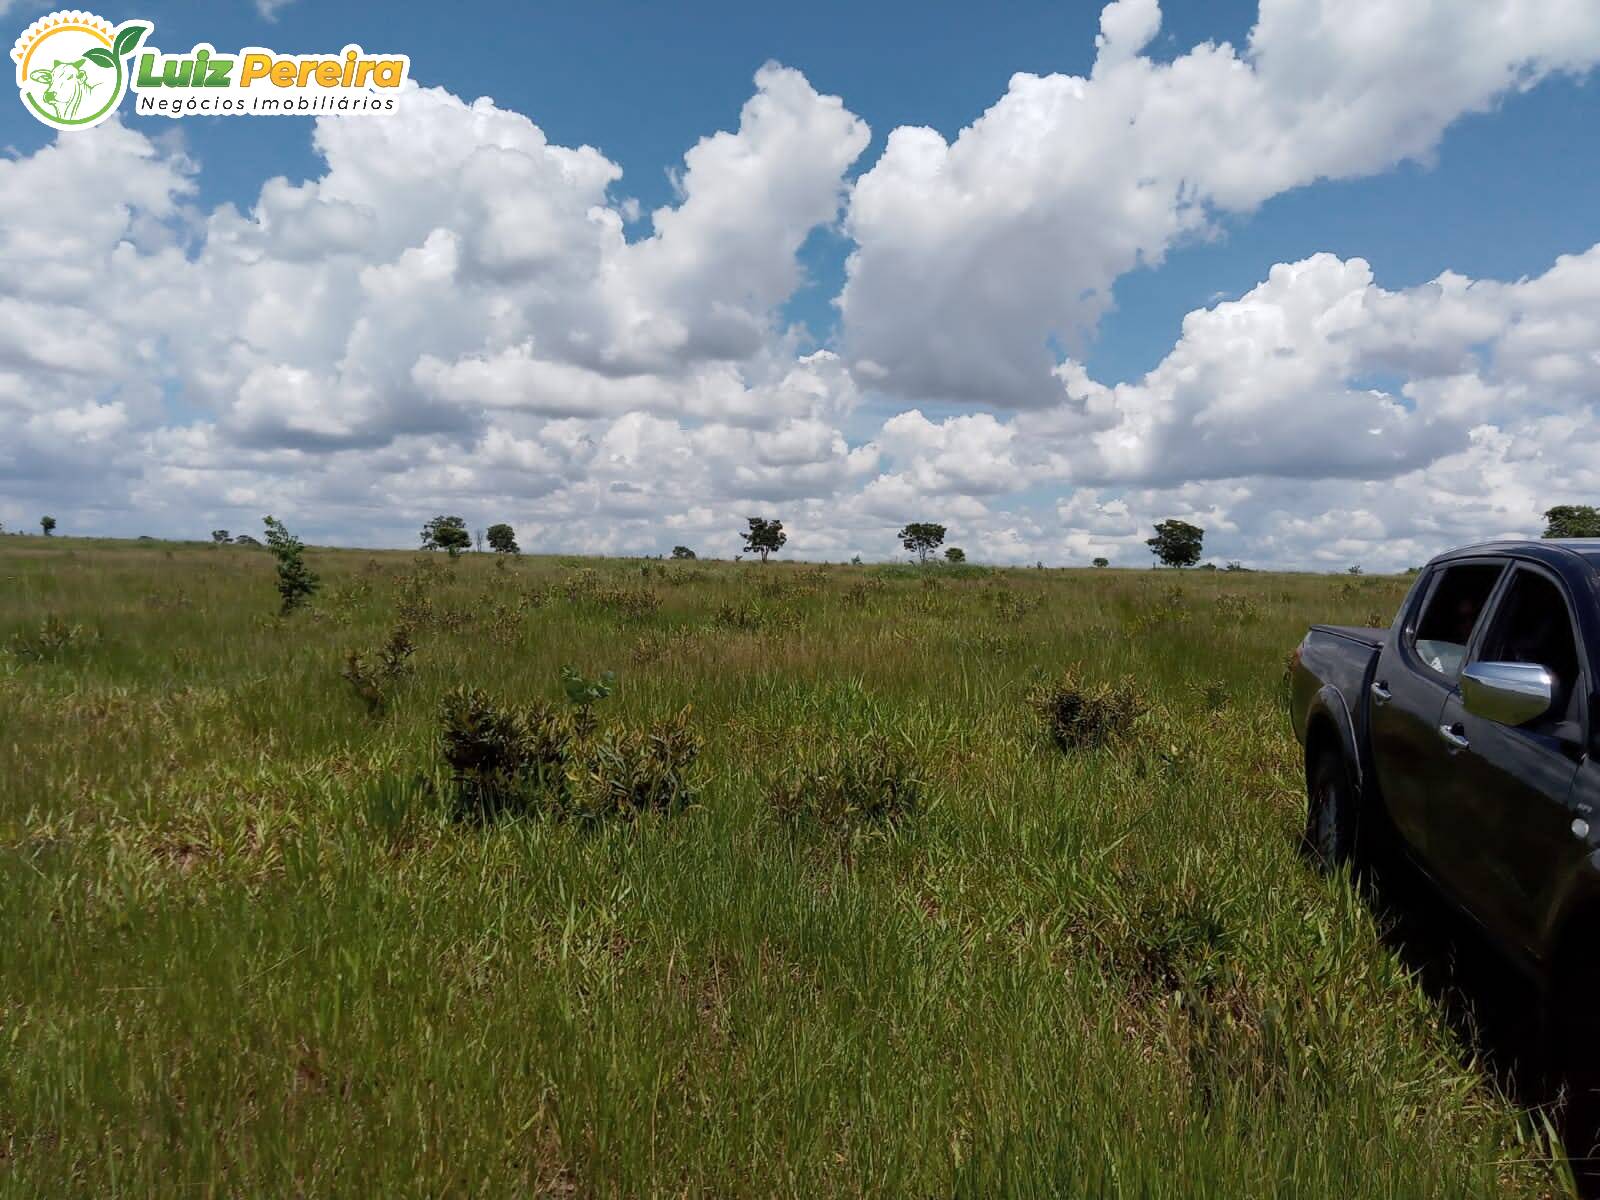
(1328, 719)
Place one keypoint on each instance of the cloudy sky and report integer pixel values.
(1320, 276)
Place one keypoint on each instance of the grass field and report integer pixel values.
(252, 946)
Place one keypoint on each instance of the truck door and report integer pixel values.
(1416, 671)
(1504, 826)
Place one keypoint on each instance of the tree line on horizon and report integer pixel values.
(1176, 543)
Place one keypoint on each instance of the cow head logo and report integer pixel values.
(72, 68)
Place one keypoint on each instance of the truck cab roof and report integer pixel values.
(1565, 555)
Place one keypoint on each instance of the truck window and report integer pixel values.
(1452, 614)
(1532, 625)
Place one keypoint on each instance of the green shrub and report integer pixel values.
(1076, 715)
(656, 644)
(749, 616)
(859, 593)
(637, 603)
(1236, 608)
(541, 759)
(371, 676)
(1012, 606)
(504, 760)
(624, 772)
(842, 780)
(54, 639)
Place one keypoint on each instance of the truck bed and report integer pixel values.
(1365, 634)
(1341, 657)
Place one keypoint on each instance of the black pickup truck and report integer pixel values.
(1465, 736)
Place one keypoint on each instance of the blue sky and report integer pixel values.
(1507, 190)
(1507, 181)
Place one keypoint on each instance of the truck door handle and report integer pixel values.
(1381, 693)
(1458, 740)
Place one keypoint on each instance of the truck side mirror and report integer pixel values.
(1508, 693)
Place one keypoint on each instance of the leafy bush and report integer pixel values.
(850, 779)
(580, 584)
(637, 603)
(859, 593)
(345, 599)
(746, 616)
(1076, 715)
(504, 760)
(1237, 608)
(54, 639)
(624, 772)
(1011, 606)
(656, 644)
(413, 600)
(372, 675)
(505, 621)
(541, 759)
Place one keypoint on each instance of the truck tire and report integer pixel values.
(1330, 836)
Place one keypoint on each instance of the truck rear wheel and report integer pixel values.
(1330, 811)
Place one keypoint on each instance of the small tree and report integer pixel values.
(296, 582)
(922, 538)
(1354, 570)
(1102, 562)
(682, 552)
(220, 537)
(48, 524)
(1572, 521)
(478, 540)
(446, 533)
(955, 554)
(764, 537)
(1177, 543)
(503, 539)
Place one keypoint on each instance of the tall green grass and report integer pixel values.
(248, 950)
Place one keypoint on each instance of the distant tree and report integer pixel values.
(855, 560)
(446, 533)
(1177, 543)
(922, 538)
(764, 537)
(244, 539)
(1235, 565)
(682, 552)
(478, 538)
(1572, 521)
(296, 582)
(955, 554)
(503, 539)
(1102, 562)
(1354, 570)
(220, 537)
(48, 524)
